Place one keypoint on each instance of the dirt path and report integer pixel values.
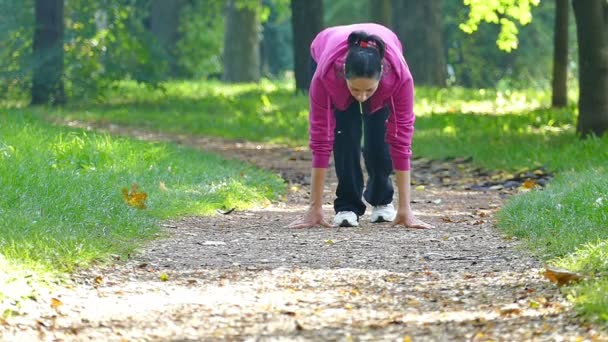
(243, 276)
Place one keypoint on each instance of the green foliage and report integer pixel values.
(104, 41)
(526, 67)
(201, 38)
(502, 12)
(16, 32)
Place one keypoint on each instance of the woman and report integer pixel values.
(361, 80)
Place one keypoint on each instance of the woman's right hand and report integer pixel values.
(312, 218)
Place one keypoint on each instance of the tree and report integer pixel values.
(242, 41)
(560, 55)
(591, 18)
(381, 12)
(47, 80)
(306, 22)
(277, 51)
(423, 43)
(164, 24)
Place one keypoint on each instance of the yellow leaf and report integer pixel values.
(134, 198)
(561, 276)
(55, 303)
(529, 184)
(164, 277)
(407, 338)
(98, 280)
(420, 188)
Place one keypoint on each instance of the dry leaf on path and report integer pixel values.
(56, 303)
(561, 276)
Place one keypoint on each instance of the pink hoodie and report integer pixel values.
(328, 91)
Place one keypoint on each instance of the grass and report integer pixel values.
(62, 205)
(564, 224)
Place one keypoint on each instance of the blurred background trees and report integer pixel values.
(446, 43)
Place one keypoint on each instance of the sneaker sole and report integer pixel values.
(345, 223)
(381, 219)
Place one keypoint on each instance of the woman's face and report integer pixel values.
(362, 88)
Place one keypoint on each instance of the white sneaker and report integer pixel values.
(346, 219)
(383, 213)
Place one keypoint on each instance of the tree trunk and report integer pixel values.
(560, 55)
(381, 12)
(419, 27)
(306, 22)
(592, 33)
(164, 25)
(242, 42)
(47, 80)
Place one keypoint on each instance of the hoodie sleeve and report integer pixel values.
(400, 126)
(322, 124)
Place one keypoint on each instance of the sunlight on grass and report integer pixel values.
(481, 101)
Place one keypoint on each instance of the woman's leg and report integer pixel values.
(379, 189)
(347, 159)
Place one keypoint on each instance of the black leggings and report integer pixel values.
(347, 158)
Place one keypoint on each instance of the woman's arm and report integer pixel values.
(405, 215)
(314, 215)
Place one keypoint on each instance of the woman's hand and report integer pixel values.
(312, 218)
(406, 217)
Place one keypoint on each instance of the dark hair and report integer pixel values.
(365, 54)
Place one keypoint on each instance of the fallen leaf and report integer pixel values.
(561, 276)
(529, 184)
(162, 186)
(134, 198)
(98, 280)
(164, 277)
(511, 309)
(55, 303)
(420, 188)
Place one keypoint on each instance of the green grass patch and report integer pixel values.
(566, 224)
(265, 112)
(571, 212)
(62, 205)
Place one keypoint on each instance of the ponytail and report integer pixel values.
(365, 54)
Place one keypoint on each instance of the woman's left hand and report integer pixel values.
(407, 218)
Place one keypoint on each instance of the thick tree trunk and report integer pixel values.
(164, 24)
(306, 22)
(242, 43)
(381, 12)
(592, 33)
(419, 27)
(47, 81)
(560, 55)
